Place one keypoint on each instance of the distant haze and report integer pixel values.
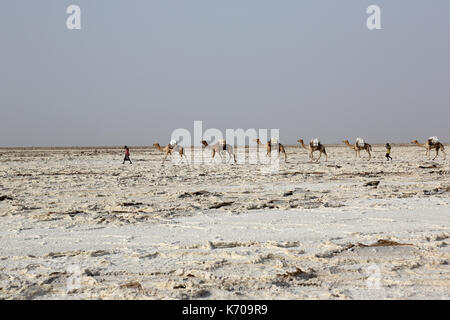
(137, 70)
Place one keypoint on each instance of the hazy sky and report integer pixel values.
(137, 70)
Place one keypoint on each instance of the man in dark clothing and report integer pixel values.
(127, 155)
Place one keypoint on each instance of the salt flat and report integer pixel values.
(235, 231)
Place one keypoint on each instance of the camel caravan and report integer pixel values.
(227, 153)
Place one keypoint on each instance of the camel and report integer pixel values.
(220, 147)
(358, 147)
(431, 145)
(269, 147)
(171, 147)
(311, 148)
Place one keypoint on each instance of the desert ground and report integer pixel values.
(76, 223)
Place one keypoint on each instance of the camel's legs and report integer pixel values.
(284, 152)
(180, 153)
(227, 155)
(320, 154)
(185, 157)
(437, 152)
(269, 151)
(279, 155)
(230, 153)
(311, 156)
(222, 155)
(213, 155)
(325, 153)
(370, 156)
(165, 157)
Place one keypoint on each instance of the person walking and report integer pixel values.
(388, 152)
(127, 155)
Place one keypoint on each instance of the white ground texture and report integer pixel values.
(77, 224)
